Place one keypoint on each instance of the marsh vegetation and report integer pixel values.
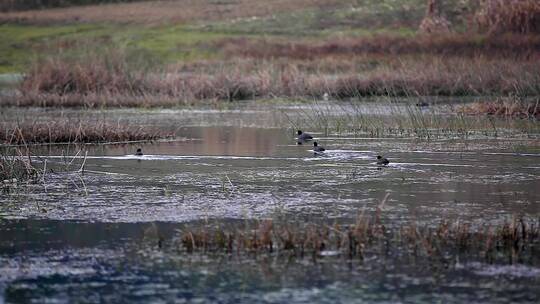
(509, 242)
(74, 132)
(222, 204)
(160, 65)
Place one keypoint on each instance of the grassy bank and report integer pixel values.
(110, 81)
(21, 45)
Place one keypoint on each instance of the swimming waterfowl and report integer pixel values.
(382, 160)
(304, 136)
(317, 148)
(139, 152)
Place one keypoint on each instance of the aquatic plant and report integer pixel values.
(403, 117)
(17, 166)
(512, 107)
(514, 241)
(68, 131)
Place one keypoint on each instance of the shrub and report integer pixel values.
(518, 16)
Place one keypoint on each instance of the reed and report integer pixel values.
(506, 107)
(97, 82)
(403, 118)
(17, 166)
(515, 240)
(67, 131)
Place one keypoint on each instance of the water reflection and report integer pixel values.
(229, 172)
(94, 237)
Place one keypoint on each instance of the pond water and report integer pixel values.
(83, 237)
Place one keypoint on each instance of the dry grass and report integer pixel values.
(95, 84)
(444, 65)
(515, 240)
(17, 166)
(179, 11)
(502, 46)
(518, 16)
(66, 131)
(504, 107)
(94, 74)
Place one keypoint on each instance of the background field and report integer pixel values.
(172, 52)
(173, 31)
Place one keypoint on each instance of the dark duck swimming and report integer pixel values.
(382, 161)
(317, 148)
(303, 136)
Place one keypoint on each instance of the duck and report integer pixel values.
(382, 160)
(304, 136)
(317, 148)
(139, 152)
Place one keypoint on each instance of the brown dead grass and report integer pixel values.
(508, 107)
(516, 46)
(507, 242)
(67, 131)
(444, 65)
(17, 166)
(95, 84)
(179, 11)
(517, 16)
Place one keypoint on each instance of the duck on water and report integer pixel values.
(383, 161)
(317, 148)
(303, 136)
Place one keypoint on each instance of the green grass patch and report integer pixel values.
(361, 15)
(22, 44)
(172, 44)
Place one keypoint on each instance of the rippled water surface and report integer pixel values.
(84, 237)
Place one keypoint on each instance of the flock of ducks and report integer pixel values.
(304, 137)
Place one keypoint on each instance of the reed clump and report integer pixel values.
(17, 166)
(517, 239)
(66, 131)
(99, 74)
(96, 84)
(510, 107)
